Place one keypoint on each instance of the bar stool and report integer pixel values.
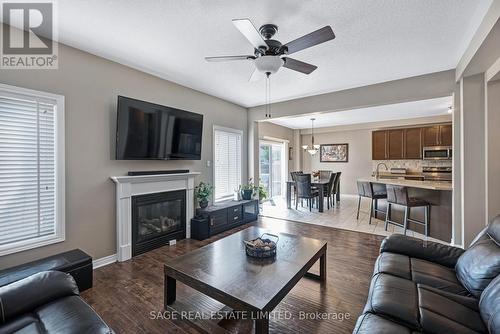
(398, 195)
(374, 191)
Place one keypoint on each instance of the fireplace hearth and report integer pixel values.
(157, 218)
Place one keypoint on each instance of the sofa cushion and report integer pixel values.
(419, 271)
(479, 265)
(23, 324)
(489, 306)
(421, 249)
(393, 297)
(437, 276)
(71, 315)
(369, 323)
(393, 264)
(439, 314)
(23, 296)
(494, 229)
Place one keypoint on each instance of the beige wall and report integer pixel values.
(473, 178)
(90, 85)
(360, 156)
(493, 153)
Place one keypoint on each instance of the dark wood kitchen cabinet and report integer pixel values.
(413, 143)
(446, 135)
(431, 136)
(379, 145)
(438, 135)
(407, 143)
(395, 144)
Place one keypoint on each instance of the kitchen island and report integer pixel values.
(437, 193)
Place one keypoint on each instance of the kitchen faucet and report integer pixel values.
(377, 173)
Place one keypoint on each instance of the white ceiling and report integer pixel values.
(376, 41)
(399, 111)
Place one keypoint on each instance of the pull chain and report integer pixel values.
(267, 105)
(268, 95)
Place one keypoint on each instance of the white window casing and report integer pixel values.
(228, 147)
(32, 174)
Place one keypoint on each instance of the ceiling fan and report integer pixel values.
(269, 54)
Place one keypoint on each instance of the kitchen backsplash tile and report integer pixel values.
(412, 166)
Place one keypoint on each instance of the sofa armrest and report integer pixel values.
(421, 249)
(31, 292)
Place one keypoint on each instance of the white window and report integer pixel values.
(227, 161)
(31, 169)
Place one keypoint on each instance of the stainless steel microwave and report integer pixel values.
(437, 153)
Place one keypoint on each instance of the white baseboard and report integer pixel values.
(104, 261)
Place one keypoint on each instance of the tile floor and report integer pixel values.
(343, 216)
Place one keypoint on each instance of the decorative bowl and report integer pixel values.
(262, 247)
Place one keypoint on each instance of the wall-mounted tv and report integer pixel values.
(148, 131)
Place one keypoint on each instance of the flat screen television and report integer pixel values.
(148, 131)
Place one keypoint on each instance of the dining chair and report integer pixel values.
(327, 192)
(294, 186)
(304, 190)
(335, 188)
(325, 174)
(292, 174)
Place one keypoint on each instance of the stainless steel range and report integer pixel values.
(437, 173)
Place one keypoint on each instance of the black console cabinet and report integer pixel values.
(223, 216)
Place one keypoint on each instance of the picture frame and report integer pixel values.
(334, 152)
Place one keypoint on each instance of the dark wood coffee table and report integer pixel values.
(222, 271)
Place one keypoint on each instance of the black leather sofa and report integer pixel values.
(427, 287)
(47, 302)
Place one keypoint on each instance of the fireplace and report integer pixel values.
(157, 218)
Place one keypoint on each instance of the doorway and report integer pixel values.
(273, 167)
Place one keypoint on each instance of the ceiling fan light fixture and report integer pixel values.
(268, 64)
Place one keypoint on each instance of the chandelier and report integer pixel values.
(313, 148)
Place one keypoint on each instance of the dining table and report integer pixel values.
(320, 184)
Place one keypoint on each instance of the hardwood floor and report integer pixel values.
(129, 295)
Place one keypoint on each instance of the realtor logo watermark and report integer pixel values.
(28, 35)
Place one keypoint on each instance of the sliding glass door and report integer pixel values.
(273, 168)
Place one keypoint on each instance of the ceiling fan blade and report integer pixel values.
(248, 30)
(228, 58)
(319, 36)
(298, 65)
(256, 76)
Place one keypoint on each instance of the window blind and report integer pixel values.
(227, 163)
(27, 168)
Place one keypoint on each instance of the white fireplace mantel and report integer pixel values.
(128, 186)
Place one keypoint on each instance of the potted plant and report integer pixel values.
(247, 190)
(202, 192)
(261, 191)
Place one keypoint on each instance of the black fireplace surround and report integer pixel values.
(156, 219)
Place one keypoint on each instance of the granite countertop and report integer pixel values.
(432, 185)
(409, 174)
